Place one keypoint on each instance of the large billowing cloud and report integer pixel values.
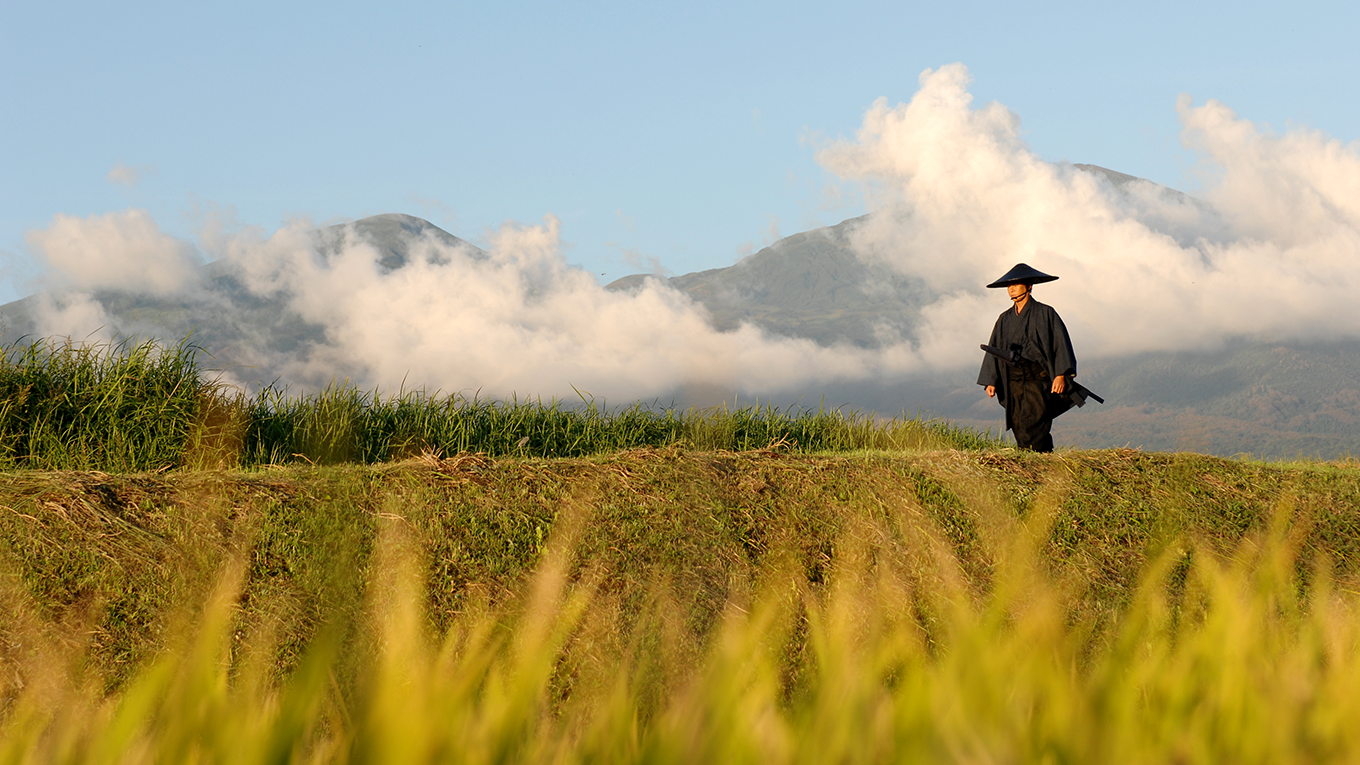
(1270, 255)
(516, 319)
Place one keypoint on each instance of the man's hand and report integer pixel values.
(991, 391)
(1060, 383)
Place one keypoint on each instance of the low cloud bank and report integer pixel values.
(1268, 253)
(516, 319)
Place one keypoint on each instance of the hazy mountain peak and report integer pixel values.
(1184, 218)
(1113, 176)
(393, 235)
(811, 284)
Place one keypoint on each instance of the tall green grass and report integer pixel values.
(138, 407)
(1251, 657)
(344, 424)
(119, 408)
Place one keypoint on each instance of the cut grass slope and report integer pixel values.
(675, 605)
(114, 556)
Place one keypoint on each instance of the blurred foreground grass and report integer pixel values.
(675, 605)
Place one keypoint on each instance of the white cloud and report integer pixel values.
(1273, 257)
(123, 174)
(122, 250)
(76, 316)
(519, 321)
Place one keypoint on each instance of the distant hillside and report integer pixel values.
(233, 323)
(809, 285)
(393, 235)
(1265, 399)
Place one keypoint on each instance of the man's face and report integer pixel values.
(1017, 291)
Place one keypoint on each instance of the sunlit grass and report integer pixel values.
(895, 657)
(125, 407)
(142, 407)
(343, 424)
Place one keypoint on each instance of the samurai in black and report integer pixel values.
(1035, 383)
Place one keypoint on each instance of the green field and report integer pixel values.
(900, 591)
(148, 407)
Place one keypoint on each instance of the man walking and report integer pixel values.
(1030, 365)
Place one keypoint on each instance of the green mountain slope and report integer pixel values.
(1266, 399)
(810, 285)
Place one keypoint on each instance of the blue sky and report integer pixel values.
(680, 133)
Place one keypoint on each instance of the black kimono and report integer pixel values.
(1025, 389)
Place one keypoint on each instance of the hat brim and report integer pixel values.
(1026, 280)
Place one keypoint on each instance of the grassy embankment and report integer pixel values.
(683, 604)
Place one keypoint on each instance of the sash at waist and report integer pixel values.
(1025, 372)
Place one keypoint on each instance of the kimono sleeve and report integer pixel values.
(1062, 360)
(991, 372)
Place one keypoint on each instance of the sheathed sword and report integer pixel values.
(1015, 359)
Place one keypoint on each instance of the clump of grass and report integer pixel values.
(343, 424)
(106, 554)
(120, 407)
